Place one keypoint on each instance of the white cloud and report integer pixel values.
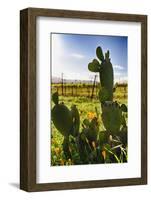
(61, 63)
(118, 74)
(78, 76)
(119, 77)
(77, 55)
(118, 67)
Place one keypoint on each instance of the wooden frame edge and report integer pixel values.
(27, 101)
(24, 182)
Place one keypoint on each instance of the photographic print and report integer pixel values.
(89, 92)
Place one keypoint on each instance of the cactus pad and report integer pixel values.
(62, 118)
(112, 117)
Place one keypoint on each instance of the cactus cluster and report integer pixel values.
(112, 112)
(67, 122)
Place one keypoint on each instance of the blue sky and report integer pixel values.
(71, 54)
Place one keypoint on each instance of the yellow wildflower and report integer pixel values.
(57, 150)
(104, 154)
(91, 115)
(61, 161)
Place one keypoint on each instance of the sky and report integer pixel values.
(71, 54)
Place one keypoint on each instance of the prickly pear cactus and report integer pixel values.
(112, 116)
(61, 116)
(66, 121)
(105, 69)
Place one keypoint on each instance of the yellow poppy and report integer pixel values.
(91, 115)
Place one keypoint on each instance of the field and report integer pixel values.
(86, 89)
(84, 96)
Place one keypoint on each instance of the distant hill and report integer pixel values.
(59, 80)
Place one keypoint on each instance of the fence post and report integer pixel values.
(93, 86)
(62, 82)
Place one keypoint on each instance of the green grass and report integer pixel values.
(86, 106)
(84, 90)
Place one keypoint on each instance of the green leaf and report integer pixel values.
(86, 122)
(99, 53)
(55, 98)
(115, 156)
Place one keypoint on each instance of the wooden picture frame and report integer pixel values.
(28, 98)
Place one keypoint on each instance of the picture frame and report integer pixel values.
(28, 98)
